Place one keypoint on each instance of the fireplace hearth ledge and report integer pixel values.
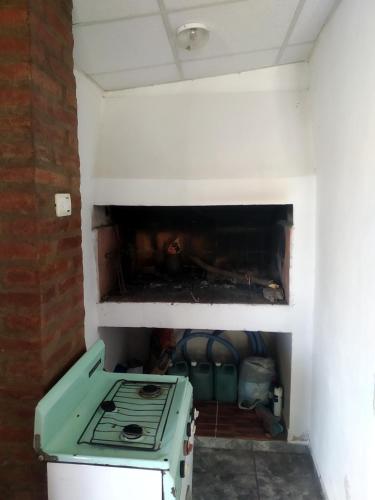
(272, 318)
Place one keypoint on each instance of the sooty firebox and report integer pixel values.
(207, 254)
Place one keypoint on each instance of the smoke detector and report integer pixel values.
(192, 36)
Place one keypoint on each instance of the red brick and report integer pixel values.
(15, 122)
(18, 367)
(50, 178)
(17, 251)
(67, 117)
(16, 174)
(14, 97)
(46, 248)
(69, 283)
(71, 97)
(45, 82)
(13, 16)
(15, 71)
(17, 322)
(57, 24)
(19, 276)
(14, 345)
(17, 150)
(59, 353)
(38, 53)
(55, 269)
(19, 202)
(70, 243)
(64, 74)
(59, 225)
(42, 35)
(22, 300)
(48, 133)
(15, 46)
(21, 227)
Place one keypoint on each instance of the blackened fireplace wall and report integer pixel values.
(207, 254)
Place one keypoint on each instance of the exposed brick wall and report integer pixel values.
(41, 284)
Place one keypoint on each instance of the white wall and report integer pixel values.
(343, 109)
(235, 126)
(89, 108)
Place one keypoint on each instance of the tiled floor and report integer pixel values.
(242, 474)
(228, 421)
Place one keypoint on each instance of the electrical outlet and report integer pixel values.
(63, 204)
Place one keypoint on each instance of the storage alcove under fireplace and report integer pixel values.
(207, 254)
(217, 391)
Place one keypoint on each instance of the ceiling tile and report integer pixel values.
(296, 53)
(120, 45)
(137, 77)
(228, 64)
(188, 4)
(99, 10)
(311, 20)
(239, 27)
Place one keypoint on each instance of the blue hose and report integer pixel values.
(184, 346)
(258, 345)
(183, 341)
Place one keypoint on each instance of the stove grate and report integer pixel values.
(126, 407)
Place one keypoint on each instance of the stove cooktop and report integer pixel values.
(97, 417)
(132, 415)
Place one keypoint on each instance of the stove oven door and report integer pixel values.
(97, 482)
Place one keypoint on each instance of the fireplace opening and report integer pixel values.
(207, 254)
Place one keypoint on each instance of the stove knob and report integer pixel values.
(182, 468)
(188, 447)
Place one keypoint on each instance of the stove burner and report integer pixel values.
(108, 406)
(150, 391)
(132, 431)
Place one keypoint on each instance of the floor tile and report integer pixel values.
(285, 476)
(232, 462)
(280, 447)
(224, 486)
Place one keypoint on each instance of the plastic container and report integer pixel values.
(277, 401)
(180, 368)
(225, 382)
(202, 378)
(256, 376)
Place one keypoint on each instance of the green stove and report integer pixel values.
(116, 435)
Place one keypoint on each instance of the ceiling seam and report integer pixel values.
(208, 58)
(170, 36)
(151, 14)
(292, 25)
(150, 66)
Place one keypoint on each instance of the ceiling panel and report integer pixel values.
(99, 10)
(188, 4)
(229, 64)
(239, 27)
(311, 20)
(120, 45)
(125, 43)
(296, 53)
(137, 77)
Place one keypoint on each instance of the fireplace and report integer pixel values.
(207, 254)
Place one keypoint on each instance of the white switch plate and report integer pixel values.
(63, 204)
